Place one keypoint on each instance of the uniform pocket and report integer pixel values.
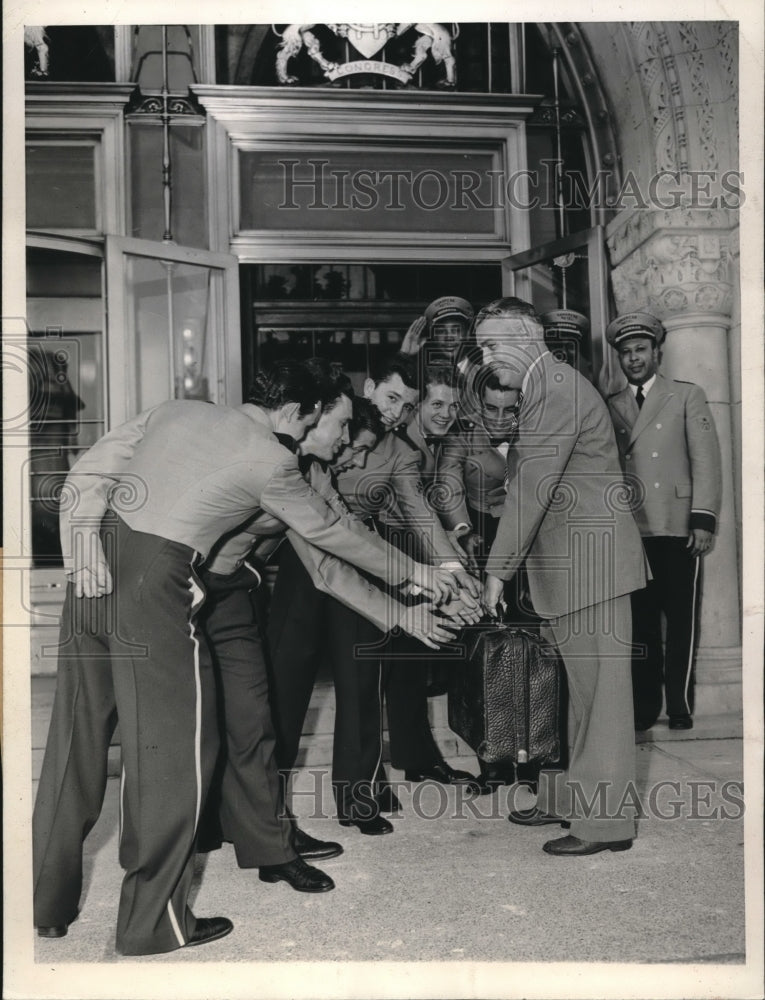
(684, 489)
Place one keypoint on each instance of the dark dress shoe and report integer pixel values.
(575, 848)
(209, 929)
(388, 801)
(374, 827)
(680, 722)
(442, 773)
(309, 847)
(57, 931)
(532, 817)
(299, 875)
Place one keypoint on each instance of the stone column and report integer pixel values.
(678, 265)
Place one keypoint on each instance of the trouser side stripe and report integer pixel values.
(692, 642)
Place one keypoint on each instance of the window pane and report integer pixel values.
(182, 57)
(372, 189)
(188, 220)
(69, 53)
(61, 187)
(66, 378)
(169, 315)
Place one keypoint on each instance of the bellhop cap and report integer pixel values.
(565, 322)
(449, 305)
(636, 324)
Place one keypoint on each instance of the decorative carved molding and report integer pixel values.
(152, 104)
(663, 88)
(630, 229)
(673, 273)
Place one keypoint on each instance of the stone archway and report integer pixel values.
(673, 248)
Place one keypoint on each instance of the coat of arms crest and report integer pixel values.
(368, 40)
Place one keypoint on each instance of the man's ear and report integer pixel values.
(290, 412)
(369, 387)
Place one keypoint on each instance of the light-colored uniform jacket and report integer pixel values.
(671, 456)
(193, 473)
(390, 487)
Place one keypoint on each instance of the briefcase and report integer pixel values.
(503, 701)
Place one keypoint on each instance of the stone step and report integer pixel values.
(316, 748)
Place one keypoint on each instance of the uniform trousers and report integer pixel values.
(407, 667)
(306, 625)
(245, 804)
(134, 657)
(596, 789)
(675, 592)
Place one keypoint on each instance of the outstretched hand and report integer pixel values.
(471, 544)
(437, 583)
(493, 589)
(422, 622)
(462, 610)
(470, 586)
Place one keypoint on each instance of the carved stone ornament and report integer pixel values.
(368, 39)
(677, 272)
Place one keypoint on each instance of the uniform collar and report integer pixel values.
(647, 386)
(256, 413)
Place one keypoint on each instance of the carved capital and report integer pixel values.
(677, 271)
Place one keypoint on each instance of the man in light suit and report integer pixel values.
(564, 514)
(131, 651)
(670, 453)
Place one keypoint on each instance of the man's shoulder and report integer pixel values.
(613, 399)
(401, 445)
(682, 386)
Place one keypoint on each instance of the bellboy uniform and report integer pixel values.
(670, 452)
(583, 558)
(196, 472)
(392, 489)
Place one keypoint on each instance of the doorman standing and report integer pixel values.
(669, 449)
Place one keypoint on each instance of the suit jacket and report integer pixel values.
(200, 472)
(471, 472)
(670, 452)
(565, 510)
(390, 488)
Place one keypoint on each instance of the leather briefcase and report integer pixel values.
(503, 701)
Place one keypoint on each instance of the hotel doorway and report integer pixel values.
(349, 313)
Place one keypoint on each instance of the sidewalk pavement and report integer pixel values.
(456, 882)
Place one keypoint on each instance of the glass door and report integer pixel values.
(172, 326)
(352, 314)
(569, 274)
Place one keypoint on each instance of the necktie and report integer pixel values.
(640, 397)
